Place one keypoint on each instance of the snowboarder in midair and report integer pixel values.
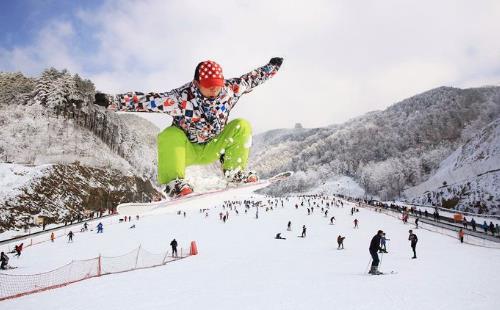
(201, 133)
(374, 248)
(413, 242)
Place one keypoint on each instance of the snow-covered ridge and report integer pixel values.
(384, 151)
(470, 175)
(13, 177)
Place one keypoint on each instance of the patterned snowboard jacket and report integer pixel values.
(201, 118)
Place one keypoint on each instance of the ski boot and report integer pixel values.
(374, 271)
(178, 188)
(241, 176)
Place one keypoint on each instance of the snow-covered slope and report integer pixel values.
(14, 177)
(469, 178)
(384, 151)
(241, 266)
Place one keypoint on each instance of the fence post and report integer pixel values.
(165, 258)
(137, 257)
(99, 266)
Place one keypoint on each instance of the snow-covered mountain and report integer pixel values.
(52, 120)
(469, 179)
(384, 151)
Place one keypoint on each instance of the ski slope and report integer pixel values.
(241, 266)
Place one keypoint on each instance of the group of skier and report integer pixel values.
(378, 245)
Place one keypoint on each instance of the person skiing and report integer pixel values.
(303, 231)
(356, 223)
(18, 249)
(100, 228)
(173, 244)
(289, 226)
(461, 235)
(485, 227)
(52, 237)
(340, 242)
(373, 249)
(200, 131)
(413, 242)
(473, 224)
(492, 228)
(4, 259)
(278, 236)
(332, 219)
(70, 236)
(416, 222)
(383, 246)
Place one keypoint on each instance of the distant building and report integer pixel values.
(298, 126)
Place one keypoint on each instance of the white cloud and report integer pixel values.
(341, 58)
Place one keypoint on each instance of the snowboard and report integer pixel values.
(132, 209)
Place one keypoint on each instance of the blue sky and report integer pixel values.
(342, 58)
(22, 19)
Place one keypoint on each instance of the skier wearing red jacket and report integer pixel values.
(200, 131)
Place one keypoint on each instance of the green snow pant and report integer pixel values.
(176, 152)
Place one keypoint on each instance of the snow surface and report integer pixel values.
(339, 185)
(14, 176)
(241, 266)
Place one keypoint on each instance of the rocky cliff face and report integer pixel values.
(70, 192)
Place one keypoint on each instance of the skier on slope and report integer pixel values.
(383, 244)
(461, 235)
(18, 249)
(413, 242)
(173, 244)
(340, 242)
(200, 132)
(70, 236)
(4, 261)
(374, 248)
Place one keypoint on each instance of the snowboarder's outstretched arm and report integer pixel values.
(247, 82)
(167, 102)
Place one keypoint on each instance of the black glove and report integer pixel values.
(276, 61)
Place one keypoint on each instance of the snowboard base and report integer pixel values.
(132, 209)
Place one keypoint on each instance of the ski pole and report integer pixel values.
(368, 266)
